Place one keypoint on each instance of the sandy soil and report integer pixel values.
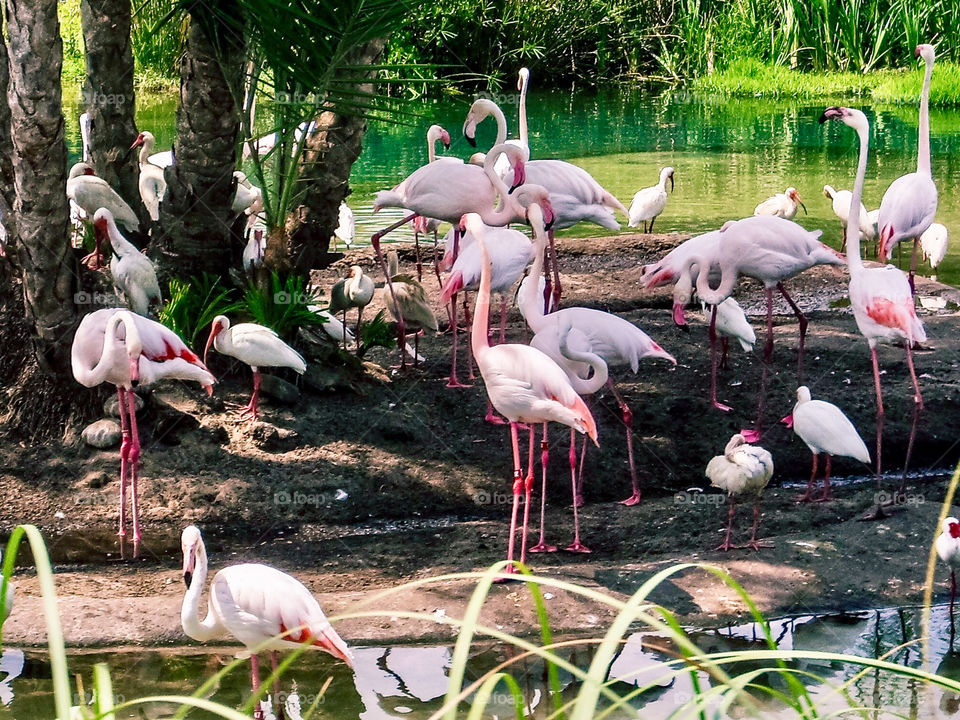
(358, 492)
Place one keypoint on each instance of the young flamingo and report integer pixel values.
(742, 469)
(525, 386)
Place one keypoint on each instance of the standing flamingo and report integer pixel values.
(424, 225)
(262, 607)
(649, 202)
(881, 298)
(152, 184)
(948, 549)
(825, 429)
(669, 268)
(615, 340)
(119, 347)
(910, 203)
(781, 205)
(355, 291)
(525, 386)
(134, 277)
(510, 252)
(742, 469)
(256, 346)
(408, 301)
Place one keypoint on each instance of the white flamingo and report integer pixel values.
(742, 470)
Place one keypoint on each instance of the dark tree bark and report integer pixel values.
(6, 143)
(109, 98)
(195, 216)
(327, 159)
(39, 160)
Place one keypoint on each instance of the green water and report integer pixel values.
(410, 682)
(728, 154)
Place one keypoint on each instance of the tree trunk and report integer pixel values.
(327, 159)
(196, 214)
(39, 162)
(109, 99)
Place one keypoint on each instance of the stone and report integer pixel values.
(102, 434)
(110, 405)
(279, 389)
(271, 437)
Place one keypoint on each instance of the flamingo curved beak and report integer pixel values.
(445, 139)
(788, 420)
(519, 175)
(831, 113)
(680, 317)
(189, 562)
(470, 131)
(135, 370)
(671, 182)
(549, 216)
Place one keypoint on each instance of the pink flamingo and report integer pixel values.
(668, 268)
(119, 347)
(424, 225)
(525, 386)
(510, 252)
(615, 340)
(881, 298)
(910, 203)
(446, 191)
(260, 606)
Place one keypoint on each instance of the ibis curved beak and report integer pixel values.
(213, 334)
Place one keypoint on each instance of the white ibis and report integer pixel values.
(781, 205)
(152, 184)
(256, 346)
(934, 243)
(346, 225)
(742, 470)
(119, 347)
(649, 202)
(134, 277)
(91, 193)
(840, 202)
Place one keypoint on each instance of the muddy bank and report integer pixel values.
(361, 492)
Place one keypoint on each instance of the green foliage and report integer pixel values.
(193, 304)
(284, 308)
(376, 333)
(71, 29)
(155, 50)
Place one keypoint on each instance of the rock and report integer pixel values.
(110, 405)
(279, 389)
(271, 437)
(322, 378)
(96, 479)
(102, 434)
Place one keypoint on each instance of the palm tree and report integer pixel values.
(6, 144)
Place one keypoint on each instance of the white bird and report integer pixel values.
(152, 184)
(248, 198)
(91, 193)
(355, 291)
(346, 225)
(332, 325)
(126, 350)
(253, 251)
(840, 202)
(782, 204)
(262, 607)
(134, 277)
(731, 323)
(256, 346)
(825, 429)
(649, 202)
(948, 549)
(267, 142)
(742, 469)
(7, 603)
(934, 242)
(86, 128)
(406, 299)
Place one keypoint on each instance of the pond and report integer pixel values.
(728, 154)
(411, 681)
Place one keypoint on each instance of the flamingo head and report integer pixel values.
(788, 420)
(795, 196)
(885, 248)
(220, 323)
(88, 171)
(138, 142)
(522, 77)
(519, 174)
(682, 294)
(445, 138)
(191, 543)
(926, 52)
(530, 195)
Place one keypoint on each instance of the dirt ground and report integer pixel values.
(359, 492)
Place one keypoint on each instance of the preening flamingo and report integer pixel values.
(510, 253)
(840, 202)
(253, 251)
(781, 205)
(525, 386)
(742, 470)
(825, 429)
(934, 243)
(256, 346)
(407, 303)
(355, 291)
(649, 202)
(617, 341)
(134, 277)
(948, 549)
(262, 607)
(152, 184)
(881, 298)
(669, 268)
(910, 203)
(119, 347)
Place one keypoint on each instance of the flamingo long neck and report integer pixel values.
(501, 123)
(728, 279)
(98, 373)
(198, 629)
(481, 320)
(431, 146)
(600, 371)
(523, 110)
(531, 305)
(854, 262)
(507, 208)
(923, 144)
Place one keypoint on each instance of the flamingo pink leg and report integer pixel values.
(576, 546)
(578, 499)
(124, 460)
(541, 545)
(375, 241)
(877, 512)
(913, 265)
(634, 499)
(134, 463)
(917, 408)
(255, 683)
(453, 382)
(467, 320)
(753, 543)
(436, 260)
(527, 489)
(808, 495)
(803, 328)
(713, 363)
(416, 245)
(518, 485)
(725, 545)
(752, 435)
(274, 664)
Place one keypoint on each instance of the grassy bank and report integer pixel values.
(751, 78)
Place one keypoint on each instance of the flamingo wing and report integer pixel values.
(908, 207)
